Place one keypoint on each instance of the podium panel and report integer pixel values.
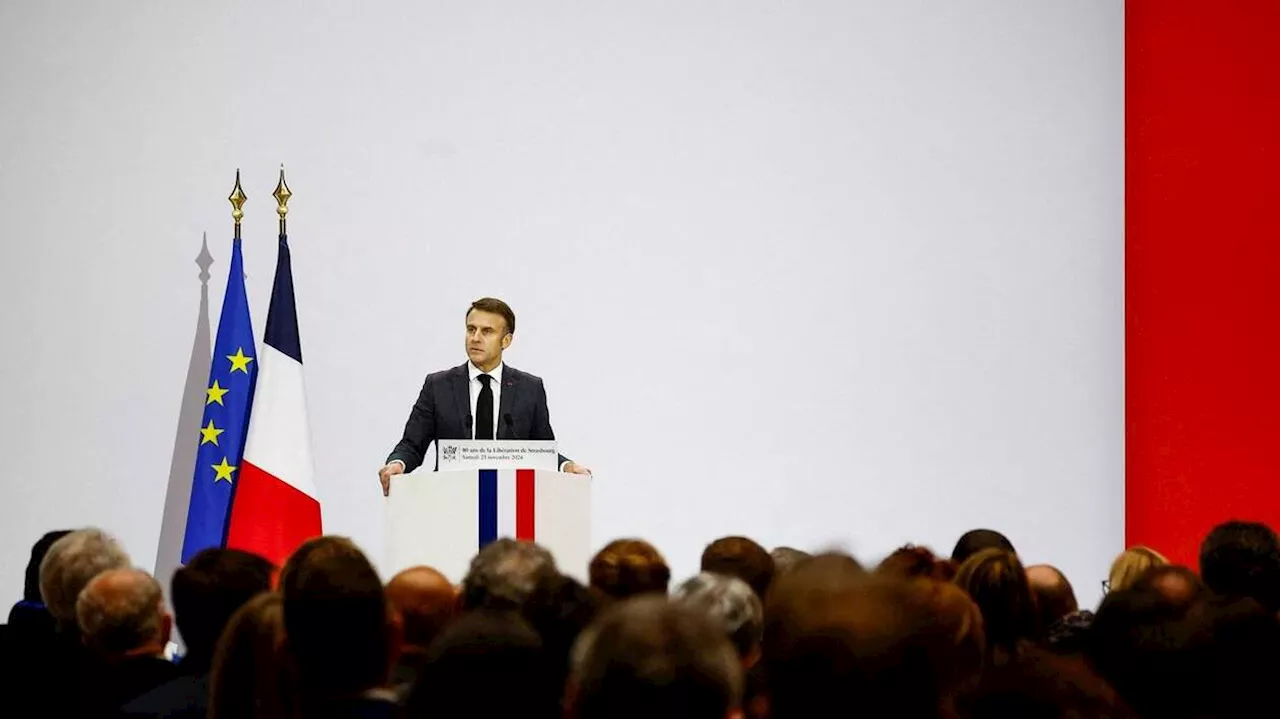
(442, 519)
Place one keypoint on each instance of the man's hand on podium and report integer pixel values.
(575, 468)
(385, 474)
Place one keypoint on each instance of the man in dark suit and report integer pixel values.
(482, 399)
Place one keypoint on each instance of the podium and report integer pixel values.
(485, 490)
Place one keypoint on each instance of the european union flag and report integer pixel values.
(228, 400)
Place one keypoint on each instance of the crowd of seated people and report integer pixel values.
(755, 634)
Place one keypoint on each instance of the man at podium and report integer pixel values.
(481, 399)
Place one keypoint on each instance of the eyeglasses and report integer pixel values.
(1106, 586)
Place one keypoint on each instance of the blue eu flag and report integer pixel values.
(228, 400)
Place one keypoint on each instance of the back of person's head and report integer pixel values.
(208, 590)
(839, 643)
(647, 657)
(1129, 564)
(976, 540)
(784, 558)
(910, 561)
(68, 566)
(424, 600)
(505, 573)
(731, 604)
(1242, 559)
(996, 581)
(742, 558)
(335, 617)
(559, 609)
(1241, 660)
(1148, 648)
(1042, 685)
(1054, 596)
(253, 676)
(31, 585)
(121, 613)
(487, 663)
(1177, 584)
(627, 568)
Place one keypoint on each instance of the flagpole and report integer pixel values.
(237, 199)
(282, 196)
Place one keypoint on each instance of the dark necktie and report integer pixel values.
(484, 409)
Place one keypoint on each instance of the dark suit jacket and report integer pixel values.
(444, 407)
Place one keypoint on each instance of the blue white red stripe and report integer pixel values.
(507, 505)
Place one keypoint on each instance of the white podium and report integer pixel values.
(486, 490)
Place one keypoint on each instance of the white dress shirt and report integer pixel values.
(475, 385)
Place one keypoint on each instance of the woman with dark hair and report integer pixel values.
(997, 583)
(253, 676)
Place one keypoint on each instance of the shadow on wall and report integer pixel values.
(178, 494)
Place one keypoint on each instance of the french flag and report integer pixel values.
(275, 506)
(507, 505)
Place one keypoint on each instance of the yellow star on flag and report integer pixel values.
(224, 470)
(210, 434)
(215, 394)
(240, 361)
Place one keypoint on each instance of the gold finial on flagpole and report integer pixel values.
(282, 196)
(237, 199)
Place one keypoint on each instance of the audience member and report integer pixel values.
(784, 558)
(1053, 594)
(53, 665)
(731, 604)
(843, 643)
(1129, 564)
(487, 663)
(742, 558)
(1242, 559)
(1179, 586)
(423, 600)
(910, 561)
(124, 623)
(647, 657)
(253, 675)
(205, 593)
(338, 630)
(996, 581)
(627, 568)
(505, 573)
(1146, 647)
(976, 540)
(559, 609)
(30, 633)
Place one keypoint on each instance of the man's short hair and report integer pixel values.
(647, 657)
(335, 617)
(731, 603)
(121, 610)
(840, 642)
(1242, 559)
(69, 566)
(487, 663)
(208, 590)
(505, 573)
(497, 307)
(627, 568)
(742, 558)
(425, 600)
(976, 540)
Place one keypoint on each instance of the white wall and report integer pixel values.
(832, 273)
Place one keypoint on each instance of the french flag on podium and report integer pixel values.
(507, 505)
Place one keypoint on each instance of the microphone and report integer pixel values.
(469, 435)
(511, 429)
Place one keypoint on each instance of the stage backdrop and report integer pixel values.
(842, 274)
